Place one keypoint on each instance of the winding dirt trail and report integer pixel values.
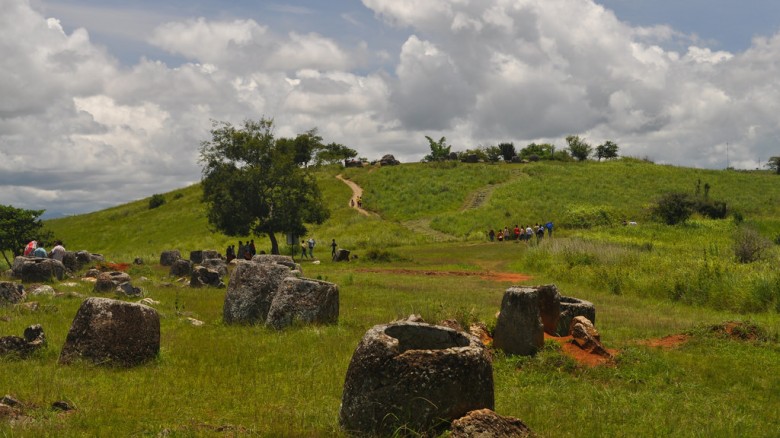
(357, 192)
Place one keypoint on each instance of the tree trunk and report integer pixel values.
(274, 243)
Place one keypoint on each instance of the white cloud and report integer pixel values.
(79, 131)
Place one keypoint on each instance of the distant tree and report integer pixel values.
(17, 227)
(303, 146)
(542, 151)
(333, 153)
(607, 150)
(254, 183)
(493, 153)
(440, 150)
(578, 148)
(156, 200)
(774, 164)
(673, 208)
(507, 151)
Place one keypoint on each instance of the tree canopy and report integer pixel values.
(578, 148)
(774, 164)
(17, 227)
(607, 150)
(255, 184)
(333, 153)
(440, 150)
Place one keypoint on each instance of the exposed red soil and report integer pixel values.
(108, 267)
(668, 342)
(582, 357)
(495, 276)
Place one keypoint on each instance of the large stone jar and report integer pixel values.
(415, 376)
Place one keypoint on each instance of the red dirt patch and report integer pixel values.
(108, 267)
(495, 276)
(581, 356)
(668, 342)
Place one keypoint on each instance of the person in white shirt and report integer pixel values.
(58, 252)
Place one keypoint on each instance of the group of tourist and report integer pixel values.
(245, 251)
(521, 232)
(36, 249)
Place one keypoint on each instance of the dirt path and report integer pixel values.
(357, 192)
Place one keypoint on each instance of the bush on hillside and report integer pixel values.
(673, 208)
(750, 246)
(156, 200)
(588, 216)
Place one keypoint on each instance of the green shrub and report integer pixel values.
(673, 208)
(381, 255)
(750, 245)
(588, 216)
(156, 200)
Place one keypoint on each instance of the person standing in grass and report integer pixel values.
(252, 249)
(492, 235)
(311, 244)
(333, 247)
(549, 227)
(303, 250)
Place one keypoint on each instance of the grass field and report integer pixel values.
(647, 282)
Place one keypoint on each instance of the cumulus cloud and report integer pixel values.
(81, 131)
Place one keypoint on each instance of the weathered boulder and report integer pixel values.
(181, 268)
(71, 261)
(217, 264)
(128, 289)
(585, 336)
(204, 254)
(414, 375)
(353, 163)
(202, 277)
(35, 269)
(519, 329)
(107, 331)
(33, 339)
(42, 289)
(196, 256)
(92, 273)
(470, 158)
(277, 259)
(168, 257)
(342, 255)
(388, 160)
(302, 300)
(570, 308)
(11, 293)
(484, 423)
(549, 307)
(251, 290)
(109, 281)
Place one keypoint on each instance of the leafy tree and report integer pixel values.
(493, 153)
(507, 151)
(542, 151)
(303, 146)
(333, 153)
(17, 227)
(673, 208)
(578, 148)
(607, 150)
(440, 150)
(254, 183)
(774, 164)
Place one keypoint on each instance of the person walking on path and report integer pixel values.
(333, 247)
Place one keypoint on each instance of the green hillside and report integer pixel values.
(424, 251)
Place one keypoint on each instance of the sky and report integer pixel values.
(107, 101)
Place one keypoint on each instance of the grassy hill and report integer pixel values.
(426, 252)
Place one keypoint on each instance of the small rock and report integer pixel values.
(484, 423)
(43, 289)
(10, 401)
(62, 405)
(195, 322)
(149, 302)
